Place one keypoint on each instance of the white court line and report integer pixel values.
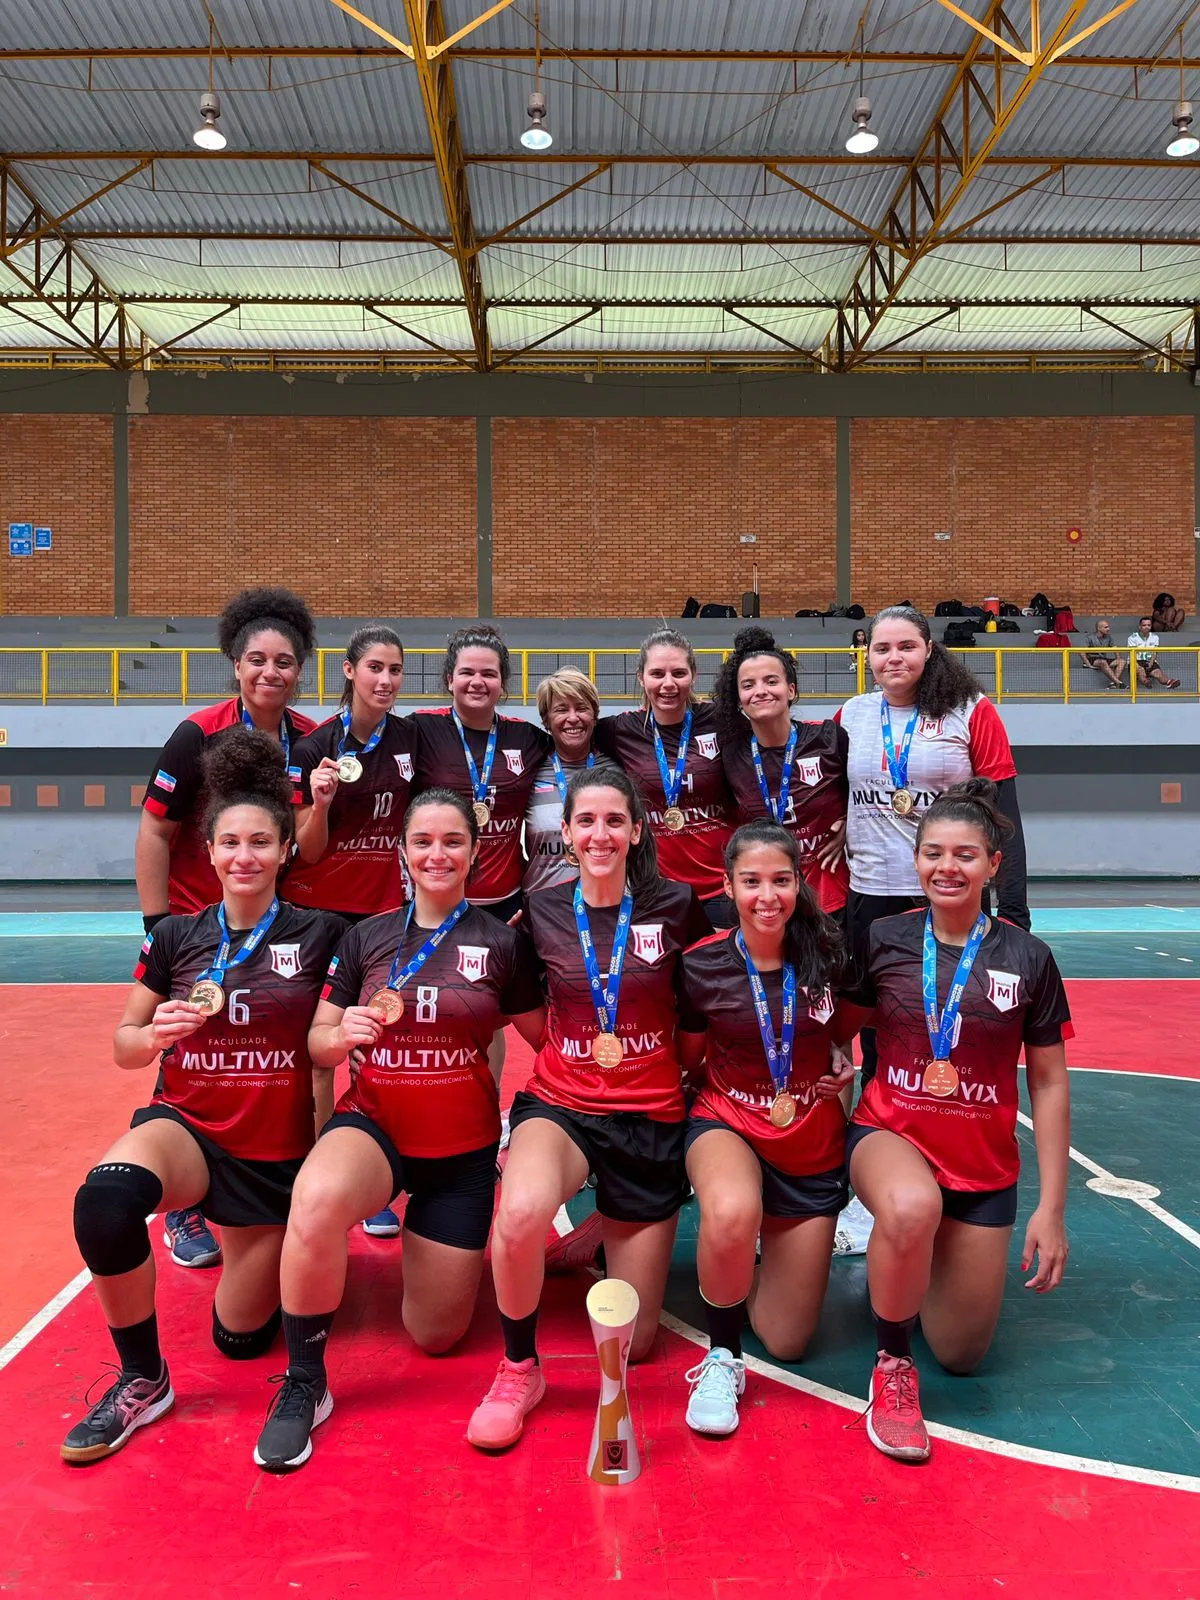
(43, 1318)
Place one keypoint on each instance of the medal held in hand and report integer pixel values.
(208, 990)
(479, 778)
(388, 1002)
(779, 1053)
(940, 1077)
(903, 800)
(672, 777)
(209, 996)
(607, 1050)
(349, 769)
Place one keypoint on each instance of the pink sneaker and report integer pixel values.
(894, 1421)
(577, 1248)
(499, 1418)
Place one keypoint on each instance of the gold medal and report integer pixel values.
(388, 1004)
(940, 1078)
(607, 1051)
(483, 813)
(673, 819)
(349, 769)
(903, 801)
(783, 1110)
(208, 995)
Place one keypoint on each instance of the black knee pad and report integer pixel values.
(246, 1346)
(111, 1207)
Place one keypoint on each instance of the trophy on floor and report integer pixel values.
(613, 1308)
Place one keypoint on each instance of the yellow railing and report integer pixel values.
(827, 673)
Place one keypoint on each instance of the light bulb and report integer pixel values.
(1184, 143)
(862, 141)
(537, 136)
(208, 136)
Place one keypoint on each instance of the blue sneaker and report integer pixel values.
(717, 1385)
(190, 1239)
(384, 1224)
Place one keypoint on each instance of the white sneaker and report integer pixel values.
(717, 1385)
(853, 1231)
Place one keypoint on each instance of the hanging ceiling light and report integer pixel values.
(208, 136)
(537, 136)
(862, 141)
(1184, 143)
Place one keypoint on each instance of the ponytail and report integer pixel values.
(812, 942)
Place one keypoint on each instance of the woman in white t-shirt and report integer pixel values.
(569, 707)
(929, 727)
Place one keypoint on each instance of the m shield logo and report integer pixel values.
(515, 762)
(1003, 989)
(809, 772)
(285, 959)
(406, 767)
(472, 961)
(647, 941)
(706, 744)
(820, 1007)
(931, 727)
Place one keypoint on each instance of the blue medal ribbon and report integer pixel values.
(479, 780)
(604, 995)
(897, 765)
(672, 778)
(776, 809)
(284, 737)
(560, 776)
(221, 962)
(397, 978)
(779, 1054)
(941, 1031)
(345, 719)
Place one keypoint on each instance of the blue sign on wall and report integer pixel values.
(43, 538)
(20, 538)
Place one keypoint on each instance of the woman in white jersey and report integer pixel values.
(929, 727)
(569, 707)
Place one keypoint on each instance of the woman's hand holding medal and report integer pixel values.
(360, 1028)
(323, 783)
(175, 1020)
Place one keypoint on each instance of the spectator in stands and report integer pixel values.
(1165, 615)
(1145, 642)
(1101, 654)
(858, 642)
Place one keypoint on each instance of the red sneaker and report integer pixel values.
(577, 1248)
(499, 1418)
(894, 1421)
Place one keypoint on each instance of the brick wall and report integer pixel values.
(361, 515)
(1008, 491)
(57, 472)
(629, 516)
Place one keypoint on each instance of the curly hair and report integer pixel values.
(244, 767)
(945, 683)
(255, 610)
(732, 727)
(477, 636)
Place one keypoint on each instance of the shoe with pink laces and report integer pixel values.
(577, 1248)
(499, 1418)
(894, 1421)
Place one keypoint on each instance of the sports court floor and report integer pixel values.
(1068, 1467)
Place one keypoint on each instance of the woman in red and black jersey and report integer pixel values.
(416, 995)
(789, 772)
(954, 996)
(605, 1095)
(766, 1137)
(670, 747)
(222, 1003)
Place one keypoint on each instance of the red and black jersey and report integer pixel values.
(244, 1077)
(667, 918)
(1014, 997)
(176, 792)
(440, 763)
(817, 797)
(695, 854)
(738, 1088)
(360, 871)
(427, 1082)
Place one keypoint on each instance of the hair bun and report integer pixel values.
(747, 640)
(973, 789)
(245, 761)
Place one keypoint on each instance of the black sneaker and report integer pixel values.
(286, 1439)
(131, 1402)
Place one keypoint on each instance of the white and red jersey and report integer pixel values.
(738, 1088)
(696, 854)
(1014, 997)
(427, 1082)
(176, 792)
(666, 919)
(968, 742)
(244, 1078)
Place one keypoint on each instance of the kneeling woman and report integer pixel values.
(228, 1126)
(606, 1093)
(933, 1149)
(766, 1141)
(419, 992)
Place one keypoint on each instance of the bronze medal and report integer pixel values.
(607, 1051)
(483, 813)
(903, 801)
(208, 994)
(673, 819)
(349, 769)
(940, 1078)
(388, 1004)
(783, 1110)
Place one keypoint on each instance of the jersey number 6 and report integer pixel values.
(239, 1009)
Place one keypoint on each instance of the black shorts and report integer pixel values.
(505, 910)
(450, 1198)
(638, 1163)
(241, 1193)
(982, 1208)
(816, 1194)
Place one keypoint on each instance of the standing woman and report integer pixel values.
(792, 773)
(671, 749)
(418, 993)
(930, 727)
(268, 635)
(228, 1126)
(933, 1150)
(765, 1149)
(569, 707)
(606, 1093)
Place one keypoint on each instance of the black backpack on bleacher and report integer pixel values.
(959, 635)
